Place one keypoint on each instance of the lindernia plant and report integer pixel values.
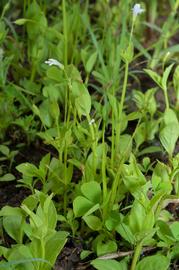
(89, 127)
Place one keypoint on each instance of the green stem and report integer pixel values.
(24, 8)
(113, 140)
(93, 144)
(118, 127)
(117, 179)
(33, 72)
(42, 252)
(113, 133)
(65, 33)
(166, 99)
(124, 89)
(115, 185)
(67, 97)
(136, 256)
(103, 169)
(132, 29)
(65, 180)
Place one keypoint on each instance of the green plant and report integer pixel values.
(36, 219)
(73, 79)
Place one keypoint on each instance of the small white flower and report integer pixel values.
(137, 10)
(91, 121)
(54, 62)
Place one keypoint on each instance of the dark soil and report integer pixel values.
(69, 259)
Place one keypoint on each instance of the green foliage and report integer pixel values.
(153, 262)
(44, 242)
(109, 264)
(72, 78)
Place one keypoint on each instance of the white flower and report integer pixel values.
(137, 10)
(91, 121)
(54, 62)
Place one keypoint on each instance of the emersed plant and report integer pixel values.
(169, 133)
(77, 81)
(36, 221)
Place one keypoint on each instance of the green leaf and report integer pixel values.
(169, 136)
(4, 150)
(93, 222)
(20, 255)
(35, 220)
(170, 131)
(10, 211)
(125, 231)
(7, 177)
(55, 245)
(149, 150)
(85, 253)
(80, 97)
(175, 229)
(28, 169)
(176, 82)
(140, 219)
(125, 144)
(154, 76)
(13, 227)
(39, 26)
(83, 104)
(31, 201)
(154, 262)
(91, 61)
(113, 103)
(108, 265)
(55, 74)
(132, 176)
(160, 179)
(50, 213)
(81, 205)
(92, 191)
(25, 263)
(106, 247)
(73, 73)
(92, 209)
(128, 53)
(44, 164)
(113, 220)
(140, 135)
(170, 117)
(165, 77)
(164, 232)
(22, 21)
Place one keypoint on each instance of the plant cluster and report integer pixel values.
(97, 83)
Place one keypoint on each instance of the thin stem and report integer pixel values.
(42, 252)
(93, 144)
(136, 256)
(117, 179)
(113, 141)
(67, 96)
(132, 29)
(124, 89)
(166, 99)
(103, 169)
(113, 133)
(118, 127)
(33, 72)
(65, 33)
(115, 185)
